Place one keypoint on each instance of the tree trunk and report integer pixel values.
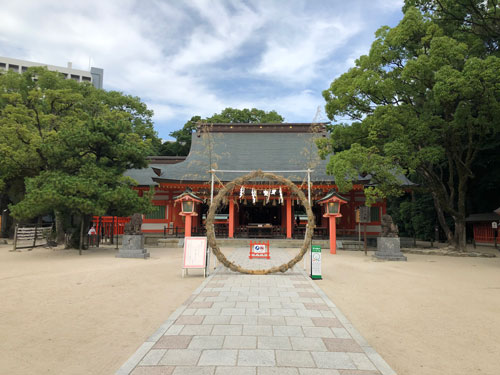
(59, 227)
(460, 225)
(2, 220)
(442, 221)
(82, 223)
(459, 238)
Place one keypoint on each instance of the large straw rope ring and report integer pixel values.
(238, 182)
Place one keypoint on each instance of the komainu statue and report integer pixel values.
(389, 229)
(134, 225)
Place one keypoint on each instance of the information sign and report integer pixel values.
(259, 250)
(364, 214)
(195, 253)
(494, 225)
(316, 262)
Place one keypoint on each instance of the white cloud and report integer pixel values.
(198, 57)
(295, 59)
(390, 5)
(218, 38)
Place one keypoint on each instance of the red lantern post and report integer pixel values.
(332, 202)
(188, 201)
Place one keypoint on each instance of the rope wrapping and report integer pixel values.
(238, 182)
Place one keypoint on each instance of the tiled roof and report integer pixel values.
(144, 177)
(284, 149)
(487, 216)
(248, 152)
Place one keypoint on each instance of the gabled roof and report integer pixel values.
(331, 194)
(249, 147)
(188, 193)
(284, 148)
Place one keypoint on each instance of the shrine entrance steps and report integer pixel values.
(273, 243)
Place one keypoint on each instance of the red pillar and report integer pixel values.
(288, 217)
(187, 228)
(231, 218)
(333, 235)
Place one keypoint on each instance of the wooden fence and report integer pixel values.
(32, 233)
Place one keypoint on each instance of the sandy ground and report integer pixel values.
(65, 314)
(431, 315)
(61, 313)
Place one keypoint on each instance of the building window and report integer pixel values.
(2, 65)
(24, 69)
(75, 77)
(85, 79)
(157, 213)
(14, 68)
(374, 214)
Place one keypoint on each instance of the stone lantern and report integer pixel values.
(332, 202)
(188, 202)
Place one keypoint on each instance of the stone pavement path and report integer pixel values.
(235, 324)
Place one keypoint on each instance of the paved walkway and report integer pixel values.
(237, 324)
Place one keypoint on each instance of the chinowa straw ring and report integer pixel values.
(238, 182)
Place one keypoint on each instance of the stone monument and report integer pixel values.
(388, 245)
(133, 240)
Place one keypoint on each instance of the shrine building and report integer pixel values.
(220, 153)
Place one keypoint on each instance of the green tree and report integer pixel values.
(476, 22)
(182, 143)
(245, 116)
(422, 101)
(182, 137)
(71, 143)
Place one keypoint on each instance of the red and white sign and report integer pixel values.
(195, 252)
(259, 250)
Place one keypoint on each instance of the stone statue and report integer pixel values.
(389, 229)
(388, 244)
(133, 240)
(134, 225)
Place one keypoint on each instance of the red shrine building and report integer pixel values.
(222, 152)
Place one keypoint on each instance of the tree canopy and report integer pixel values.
(422, 101)
(182, 143)
(70, 143)
(475, 22)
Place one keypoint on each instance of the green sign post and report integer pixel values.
(316, 262)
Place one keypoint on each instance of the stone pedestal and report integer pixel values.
(133, 247)
(388, 248)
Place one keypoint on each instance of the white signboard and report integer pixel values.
(259, 249)
(494, 225)
(316, 262)
(195, 252)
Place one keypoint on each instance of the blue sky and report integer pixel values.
(197, 57)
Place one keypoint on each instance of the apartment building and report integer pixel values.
(94, 76)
